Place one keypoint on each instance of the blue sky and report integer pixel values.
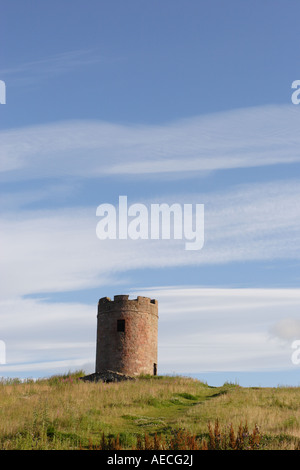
(163, 101)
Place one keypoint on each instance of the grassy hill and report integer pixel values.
(63, 412)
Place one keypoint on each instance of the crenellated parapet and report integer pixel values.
(142, 304)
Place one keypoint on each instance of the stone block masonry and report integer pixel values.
(127, 333)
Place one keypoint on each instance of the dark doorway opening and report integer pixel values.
(154, 369)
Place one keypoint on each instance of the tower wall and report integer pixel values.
(134, 350)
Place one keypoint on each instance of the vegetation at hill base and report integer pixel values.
(162, 412)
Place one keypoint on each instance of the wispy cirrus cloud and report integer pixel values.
(242, 138)
(223, 329)
(52, 66)
(200, 329)
(40, 336)
(57, 249)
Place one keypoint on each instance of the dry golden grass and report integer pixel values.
(67, 413)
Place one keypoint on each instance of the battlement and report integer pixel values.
(125, 298)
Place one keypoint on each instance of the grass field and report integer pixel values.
(63, 412)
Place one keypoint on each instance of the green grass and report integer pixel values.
(63, 412)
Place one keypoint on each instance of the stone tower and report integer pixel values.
(127, 335)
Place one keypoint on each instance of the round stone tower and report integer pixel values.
(127, 335)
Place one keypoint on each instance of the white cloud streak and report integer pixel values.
(43, 336)
(211, 329)
(33, 71)
(241, 138)
(57, 250)
(200, 329)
